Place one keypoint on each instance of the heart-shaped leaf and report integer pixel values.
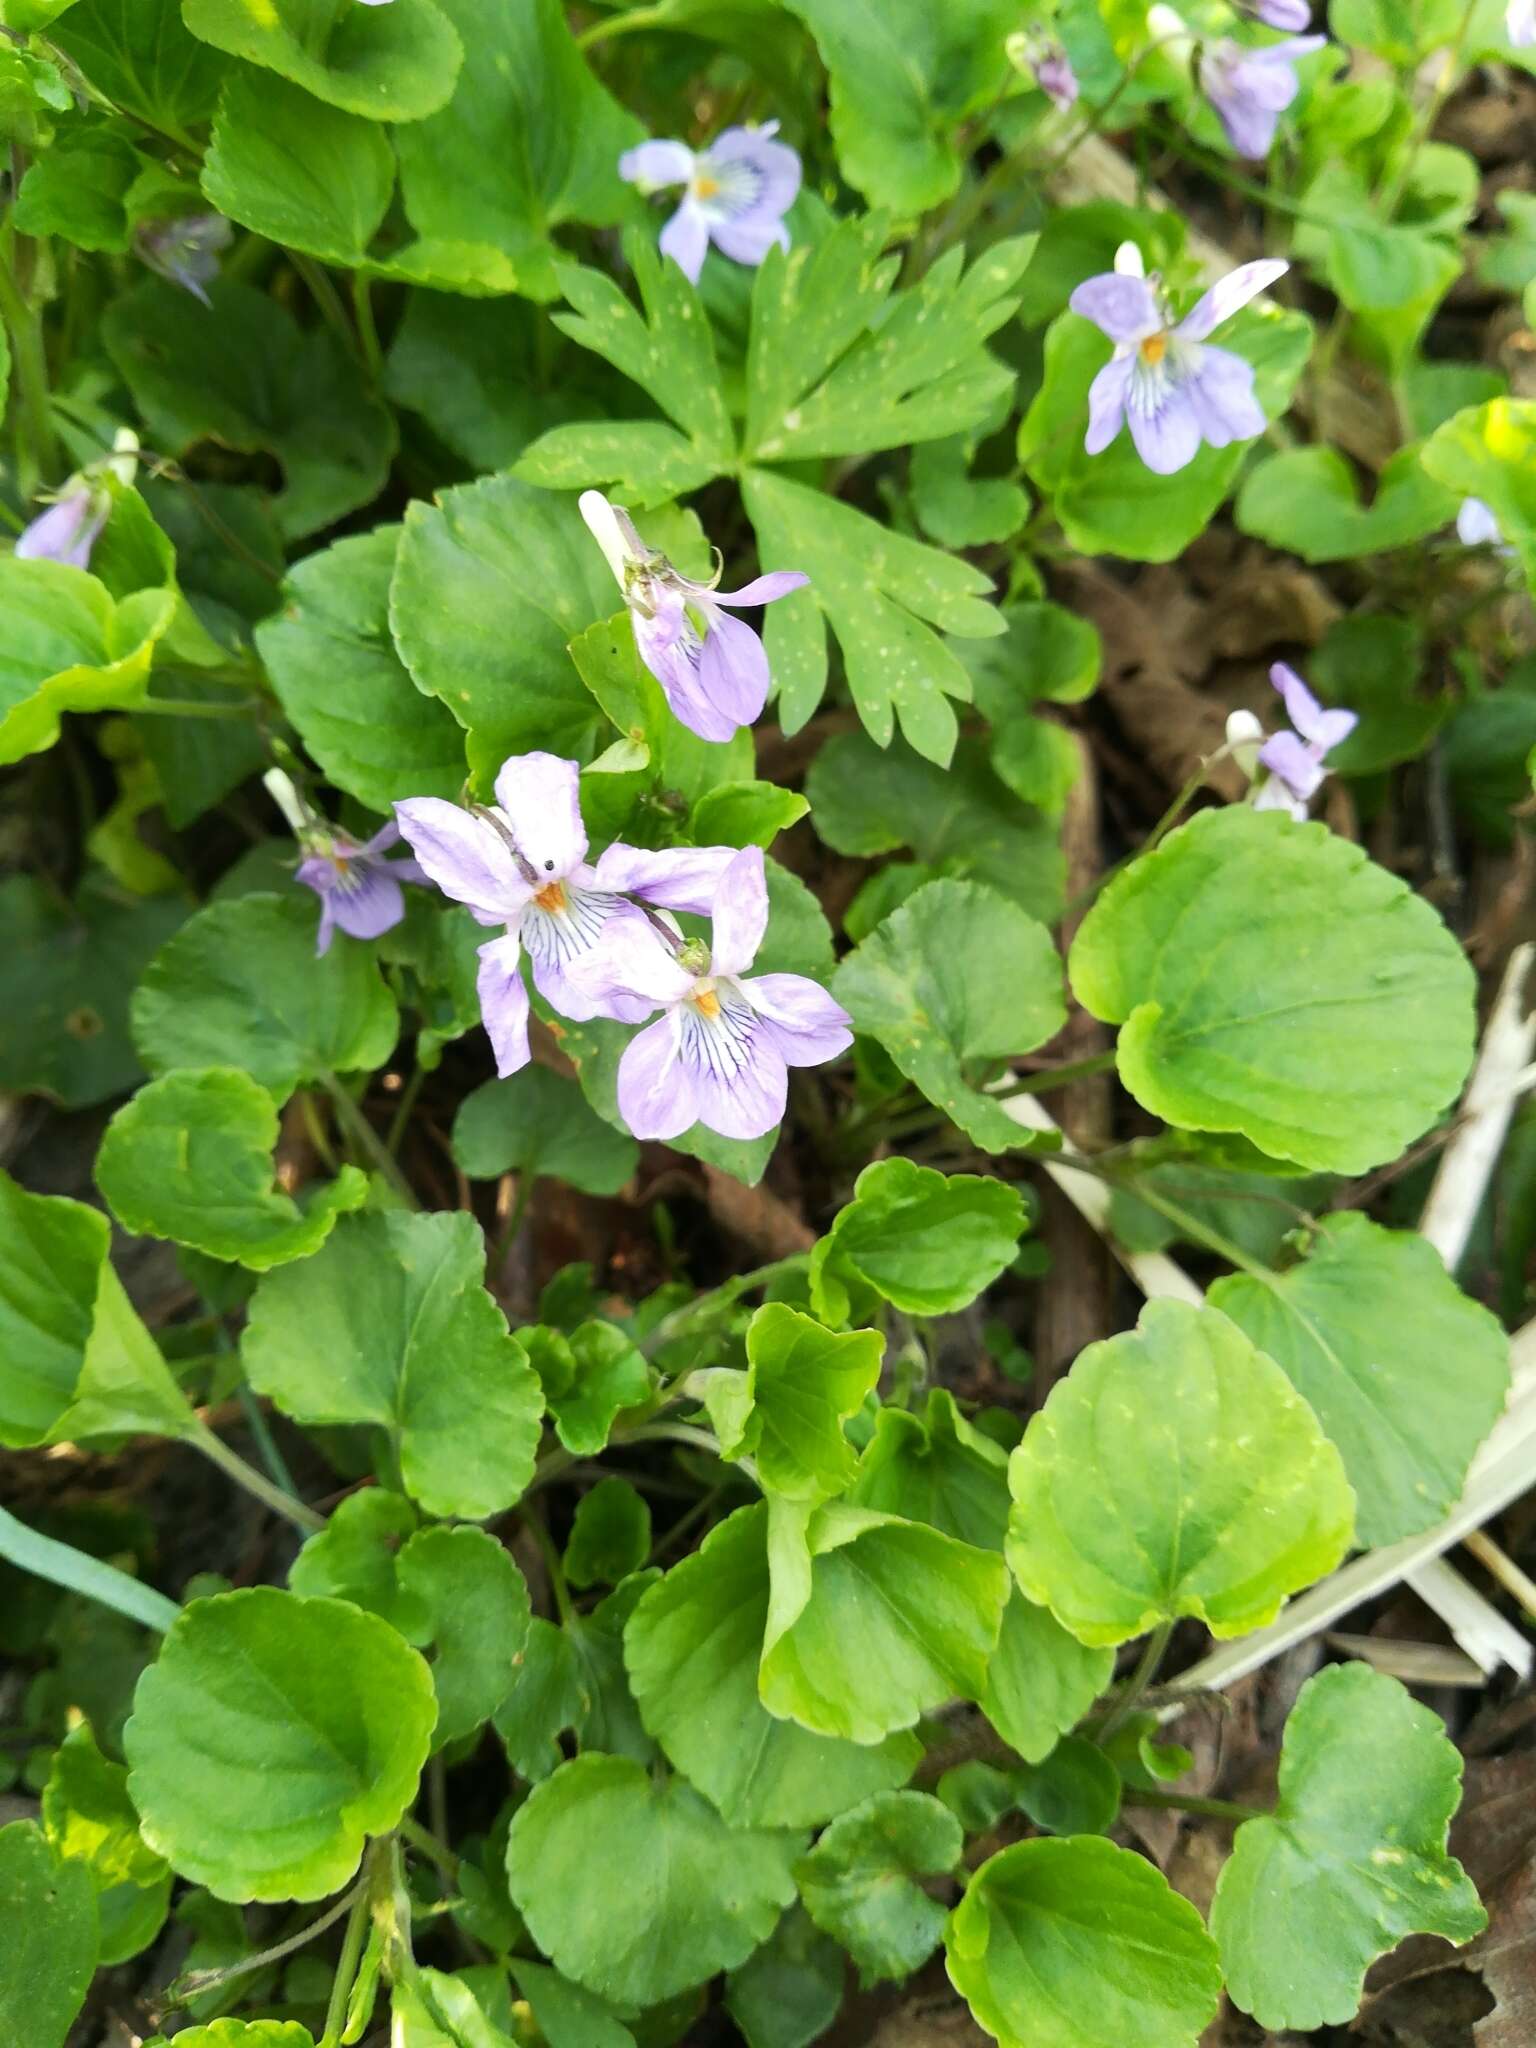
(395, 63)
(1307, 501)
(47, 1937)
(859, 1883)
(926, 1242)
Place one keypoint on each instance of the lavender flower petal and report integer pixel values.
(1124, 308)
(799, 1018)
(1297, 765)
(653, 165)
(1220, 393)
(733, 673)
(762, 589)
(539, 793)
(656, 1094)
(740, 1081)
(1107, 396)
(66, 532)
(566, 923)
(1229, 295)
(1324, 729)
(1291, 16)
(683, 878)
(367, 900)
(685, 238)
(630, 960)
(1274, 796)
(740, 913)
(466, 857)
(1520, 23)
(1166, 431)
(504, 1003)
(1250, 89)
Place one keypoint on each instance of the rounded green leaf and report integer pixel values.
(859, 1882)
(339, 679)
(240, 985)
(692, 1647)
(1073, 1791)
(610, 1535)
(75, 1360)
(356, 1557)
(1041, 1680)
(936, 1467)
(926, 1242)
(1353, 1857)
(65, 645)
(476, 1601)
(803, 1383)
(246, 2034)
(1073, 1943)
(395, 63)
(299, 172)
(190, 1158)
(958, 974)
(1307, 501)
(360, 1332)
(47, 1938)
(788, 1994)
(539, 1123)
(1270, 979)
(873, 1621)
(1367, 1327)
(90, 1819)
(1175, 1470)
(272, 1736)
(683, 1896)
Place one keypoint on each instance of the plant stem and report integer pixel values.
(552, 1564)
(367, 326)
(1393, 196)
(196, 1982)
(621, 25)
(1159, 832)
(257, 1423)
(1191, 1226)
(1136, 1685)
(255, 1483)
(351, 1956)
(316, 1131)
(423, 1839)
(365, 1138)
(403, 1108)
(1189, 1802)
(1058, 1077)
(192, 707)
(675, 1325)
(35, 432)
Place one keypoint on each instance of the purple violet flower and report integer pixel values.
(1166, 380)
(359, 890)
(1251, 88)
(1520, 24)
(68, 530)
(186, 250)
(522, 864)
(721, 1051)
(1291, 17)
(712, 668)
(1032, 51)
(736, 194)
(1295, 759)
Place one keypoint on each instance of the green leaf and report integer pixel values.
(646, 461)
(141, 59)
(358, 1333)
(1379, 664)
(302, 173)
(803, 1383)
(1311, 1002)
(240, 986)
(529, 139)
(1072, 1943)
(75, 1361)
(936, 1468)
(904, 76)
(566, 2015)
(838, 371)
(589, 1378)
(1174, 1471)
(1047, 654)
(244, 2034)
(610, 1535)
(858, 1883)
(957, 974)
(66, 973)
(957, 509)
(873, 1620)
(272, 1736)
(684, 1895)
(338, 677)
(1307, 501)
(1041, 1680)
(396, 63)
(961, 820)
(545, 1697)
(1112, 503)
(537, 1123)
(883, 594)
(490, 585)
(1355, 1849)
(1075, 1790)
(190, 1158)
(926, 1242)
(238, 371)
(790, 1991)
(47, 1937)
(692, 1647)
(745, 814)
(77, 190)
(90, 1819)
(1364, 1326)
(67, 645)
(477, 1602)
(1489, 452)
(356, 1557)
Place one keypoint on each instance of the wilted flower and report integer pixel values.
(1476, 527)
(1520, 23)
(186, 250)
(1173, 388)
(359, 890)
(736, 194)
(1251, 88)
(523, 864)
(720, 1052)
(712, 668)
(1031, 50)
(72, 524)
(1295, 759)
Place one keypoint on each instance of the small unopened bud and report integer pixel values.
(124, 459)
(1245, 735)
(1169, 31)
(279, 785)
(1129, 261)
(603, 525)
(693, 956)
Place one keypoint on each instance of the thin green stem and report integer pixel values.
(552, 1565)
(255, 1483)
(1392, 198)
(365, 1139)
(192, 707)
(1165, 824)
(325, 295)
(621, 25)
(403, 1108)
(29, 357)
(1189, 1802)
(316, 1131)
(1136, 1685)
(1189, 1224)
(351, 1955)
(1058, 1077)
(197, 1982)
(507, 1235)
(261, 1430)
(367, 325)
(422, 1838)
(676, 1324)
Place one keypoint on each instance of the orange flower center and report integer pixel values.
(705, 1001)
(551, 896)
(705, 187)
(1154, 348)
